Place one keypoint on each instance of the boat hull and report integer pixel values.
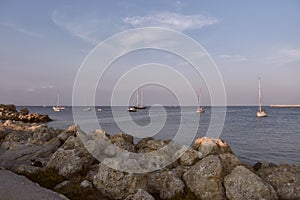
(140, 107)
(200, 110)
(261, 114)
(58, 108)
(131, 109)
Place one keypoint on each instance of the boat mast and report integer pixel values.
(142, 98)
(199, 105)
(137, 97)
(57, 99)
(259, 94)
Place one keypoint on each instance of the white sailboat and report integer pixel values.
(260, 112)
(139, 105)
(131, 108)
(58, 108)
(200, 109)
(87, 108)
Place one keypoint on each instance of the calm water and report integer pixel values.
(275, 138)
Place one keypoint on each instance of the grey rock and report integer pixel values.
(229, 162)
(241, 183)
(24, 111)
(284, 178)
(190, 157)
(180, 170)
(123, 141)
(86, 184)
(166, 184)
(92, 172)
(14, 158)
(69, 162)
(9, 112)
(3, 133)
(62, 184)
(140, 195)
(150, 145)
(142, 144)
(117, 184)
(16, 187)
(81, 150)
(27, 169)
(205, 178)
(211, 146)
(15, 139)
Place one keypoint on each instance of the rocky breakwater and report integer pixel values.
(9, 112)
(58, 160)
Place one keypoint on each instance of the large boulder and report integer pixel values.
(68, 162)
(117, 184)
(142, 143)
(241, 183)
(71, 158)
(284, 178)
(3, 133)
(147, 145)
(123, 141)
(190, 157)
(166, 184)
(13, 186)
(229, 162)
(81, 149)
(27, 147)
(24, 111)
(180, 170)
(41, 134)
(205, 178)
(15, 139)
(23, 156)
(211, 146)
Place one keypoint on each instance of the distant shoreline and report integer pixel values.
(285, 106)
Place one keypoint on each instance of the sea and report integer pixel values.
(275, 138)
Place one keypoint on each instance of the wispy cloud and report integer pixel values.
(47, 87)
(284, 57)
(37, 89)
(171, 20)
(233, 57)
(30, 90)
(82, 29)
(22, 29)
(94, 29)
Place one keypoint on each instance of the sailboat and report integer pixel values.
(260, 112)
(87, 109)
(139, 105)
(200, 109)
(132, 108)
(58, 108)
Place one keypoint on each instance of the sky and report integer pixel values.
(43, 44)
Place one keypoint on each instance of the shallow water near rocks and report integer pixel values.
(274, 138)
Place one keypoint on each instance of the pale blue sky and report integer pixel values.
(43, 43)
